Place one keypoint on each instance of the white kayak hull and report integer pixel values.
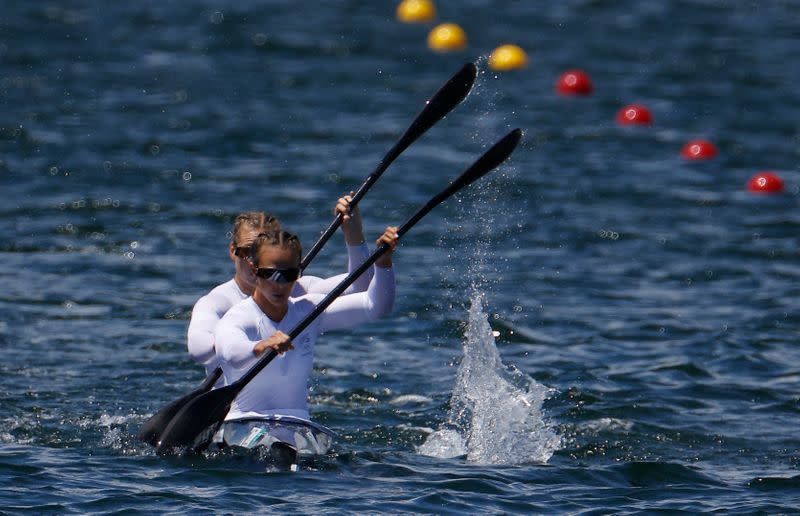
(304, 437)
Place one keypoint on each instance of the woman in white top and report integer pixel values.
(261, 323)
(210, 308)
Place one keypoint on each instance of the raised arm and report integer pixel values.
(354, 309)
(357, 252)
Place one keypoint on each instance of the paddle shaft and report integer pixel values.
(443, 101)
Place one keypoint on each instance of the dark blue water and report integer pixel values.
(598, 327)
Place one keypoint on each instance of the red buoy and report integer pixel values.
(574, 82)
(765, 182)
(634, 114)
(698, 150)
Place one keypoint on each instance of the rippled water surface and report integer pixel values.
(597, 326)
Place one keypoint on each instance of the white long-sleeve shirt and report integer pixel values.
(209, 309)
(281, 387)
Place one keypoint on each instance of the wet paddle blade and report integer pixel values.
(151, 430)
(490, 159)
(200, 417)
(443, 101)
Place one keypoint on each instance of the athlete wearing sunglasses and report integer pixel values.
(210, 308)
(262, 322)
(278, 275)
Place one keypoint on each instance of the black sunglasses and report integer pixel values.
(278, 275)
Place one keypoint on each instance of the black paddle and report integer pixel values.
(200, 418)
(443, 101)
(150, 432)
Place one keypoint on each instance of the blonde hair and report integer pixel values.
(256, 220)
(276, 237)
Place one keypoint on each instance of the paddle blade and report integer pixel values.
(197, 420)
(443, 101)
(498, 153)
(151, 430)
(490, 159)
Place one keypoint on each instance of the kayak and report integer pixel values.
(285, 438)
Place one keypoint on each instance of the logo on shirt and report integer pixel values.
(305, 347)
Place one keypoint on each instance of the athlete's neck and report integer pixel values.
(275, 312)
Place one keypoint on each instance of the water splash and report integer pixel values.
(496, 411)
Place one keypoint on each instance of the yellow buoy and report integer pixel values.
(447, 37)
(416, 11)
(508, 57)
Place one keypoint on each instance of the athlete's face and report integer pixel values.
(276, 288)
(239, 254)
